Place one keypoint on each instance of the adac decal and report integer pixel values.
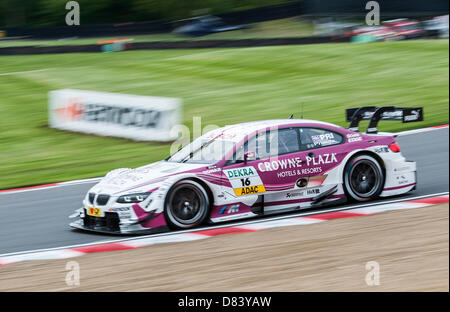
(248, 190)
(245, 180)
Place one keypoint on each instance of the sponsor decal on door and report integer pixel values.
(245, 181)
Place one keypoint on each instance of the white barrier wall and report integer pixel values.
(143, 118)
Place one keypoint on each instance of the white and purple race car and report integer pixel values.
(254, 169)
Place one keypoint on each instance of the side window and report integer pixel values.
(271, 143)
(258, 144)
(284, 141)
(311, 138)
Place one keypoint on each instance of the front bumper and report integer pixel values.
(110, 223)
(78, 224)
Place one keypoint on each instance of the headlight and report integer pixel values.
(91, 197)
(133, 198)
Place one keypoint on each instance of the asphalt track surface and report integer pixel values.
(38, 219)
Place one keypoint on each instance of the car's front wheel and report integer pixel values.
(186, 205)
(363, 178)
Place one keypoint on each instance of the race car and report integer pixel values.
(405, 28)
(375, 33)
(254, 169)
(205, 25)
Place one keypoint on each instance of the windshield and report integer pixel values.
(203, 150)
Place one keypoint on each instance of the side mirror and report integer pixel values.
(249, 156)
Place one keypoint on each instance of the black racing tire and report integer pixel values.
(363, 178)
(187, 205)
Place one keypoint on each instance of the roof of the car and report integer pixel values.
(279, 122)
(238, 131)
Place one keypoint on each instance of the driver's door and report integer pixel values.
(273, 170)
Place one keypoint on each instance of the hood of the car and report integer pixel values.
(141, 179)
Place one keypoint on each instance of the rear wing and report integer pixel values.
(375, 114)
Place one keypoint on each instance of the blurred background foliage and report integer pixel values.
(19, 13)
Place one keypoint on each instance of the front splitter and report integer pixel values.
(80, 226)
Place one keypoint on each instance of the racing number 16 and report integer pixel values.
(245, 182)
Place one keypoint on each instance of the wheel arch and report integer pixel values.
(369, 153)
(199, 181)
(207, 189)
(190, 177)
(202, 183)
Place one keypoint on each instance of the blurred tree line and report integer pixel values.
(31, 13)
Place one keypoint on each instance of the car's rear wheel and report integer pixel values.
(186, 205)
(363, 178)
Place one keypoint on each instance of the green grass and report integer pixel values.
(288, 27)
(223, 86)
